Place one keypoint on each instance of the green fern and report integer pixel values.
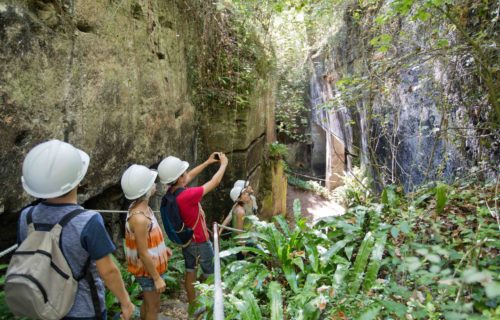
(356, 275)
(375, 261)
(276, 300)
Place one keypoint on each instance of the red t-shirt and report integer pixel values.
(189, 207)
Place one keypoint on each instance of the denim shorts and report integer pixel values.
(147, 284)
(202, 253)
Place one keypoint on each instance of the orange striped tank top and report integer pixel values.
(156, 247)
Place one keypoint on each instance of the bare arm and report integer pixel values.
(198, 169)
(139, 226)
(112, 278)
(240, 216)
(228, 218)
(217, 177)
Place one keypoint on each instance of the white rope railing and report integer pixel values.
(229, 228)
(14, 247)
(8, 250)
(114, 211)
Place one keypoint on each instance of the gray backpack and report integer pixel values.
(39, 282)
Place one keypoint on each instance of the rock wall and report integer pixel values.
(410, 114)
(122, 81)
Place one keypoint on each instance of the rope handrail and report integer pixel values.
(114, 211)
(8, 250)
(14, 247)
(229, 228)
(306, 176)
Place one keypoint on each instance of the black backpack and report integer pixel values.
(174, 226)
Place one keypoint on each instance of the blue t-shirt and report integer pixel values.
(85, 235)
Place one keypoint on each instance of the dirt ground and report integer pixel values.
(313, 206)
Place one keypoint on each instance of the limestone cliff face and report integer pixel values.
(411, 114)
(120, 80)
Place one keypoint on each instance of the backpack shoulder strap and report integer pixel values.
(178, 191)
(29, 216)
(32, 205)
(29, 220)
(67, 218)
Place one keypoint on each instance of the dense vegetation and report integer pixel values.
(432, 254)
(429, 254)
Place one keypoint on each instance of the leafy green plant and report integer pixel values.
(378, 261)
(277, 150)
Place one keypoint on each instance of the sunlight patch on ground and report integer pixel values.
(319, 209)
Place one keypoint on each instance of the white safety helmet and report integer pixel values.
(137, 180)
(171, 168)
(53, 168)
(241, 183)
(235, 193)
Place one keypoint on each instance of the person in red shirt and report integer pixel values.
(173, 172)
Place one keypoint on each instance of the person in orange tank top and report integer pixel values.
(147, 255)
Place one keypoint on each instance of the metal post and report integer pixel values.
(218, 298)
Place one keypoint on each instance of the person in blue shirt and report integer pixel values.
(52, 171)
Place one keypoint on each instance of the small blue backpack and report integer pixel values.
(174, 226)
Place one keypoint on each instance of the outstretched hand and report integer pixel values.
(223, 158)
(217, 157)
(214, 157)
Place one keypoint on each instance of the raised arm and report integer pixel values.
(217, 177)
(198, 169)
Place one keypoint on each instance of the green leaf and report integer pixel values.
(291, 277)
(283, 225)
(370, 313)
(394, 307)
(312, 282)
(297, 210)
(404, 227)
(472, 275)
(313, 257)
(356, 275)
(325, 258)
(422, 15)
(394, 232)
(441, 197)
(389, 196)
(249, 308)
(442, 43)
(339, 275)
(492, 289)
(375, 261)
(434, 258)
(455, 316)
(412, 263)
(348, 251)
(299, 263)
(276, 300)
